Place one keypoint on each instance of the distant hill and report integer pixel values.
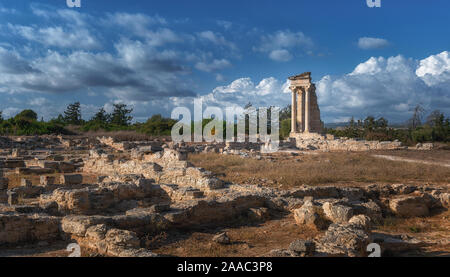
(335, 125)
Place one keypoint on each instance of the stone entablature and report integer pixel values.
(305, 115)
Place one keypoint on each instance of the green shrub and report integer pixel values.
(285, 128)
(422, 134)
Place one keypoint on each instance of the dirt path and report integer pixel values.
(400, 159)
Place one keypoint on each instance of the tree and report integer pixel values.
(285, 113)
(436, 119)
(158, 125)
(381, 123)
(72, 115)
(352, 123)
(1, 116)
(121, 115)
(359, 123)
(101, 116)
(27, 115)
(369, 123)
(416, 119)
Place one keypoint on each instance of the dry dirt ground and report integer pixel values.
(338, 169)
(57, 249)
(246, 241)
(257, 240)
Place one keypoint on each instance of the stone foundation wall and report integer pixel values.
(318, 142)
(120, 146)
(166, 167)
(18, 228)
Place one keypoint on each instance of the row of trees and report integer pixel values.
(436, 127)
(27, 123)
(121, 116)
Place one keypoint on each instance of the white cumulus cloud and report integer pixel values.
(372, 43)
(388, 87)
(281, 55)
(278, 44)
(77, 38)
(213, 66)
(435, 69)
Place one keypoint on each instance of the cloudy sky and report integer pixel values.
(157, 55)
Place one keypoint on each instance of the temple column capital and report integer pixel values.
(295, 89)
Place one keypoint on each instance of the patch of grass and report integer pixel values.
(323, 168)
(436, 223)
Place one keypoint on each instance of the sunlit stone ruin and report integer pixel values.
(119, 198)
(304, 108)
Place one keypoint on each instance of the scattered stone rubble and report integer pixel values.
(147, 188)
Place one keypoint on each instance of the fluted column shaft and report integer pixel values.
(307, 109)
(294, 112)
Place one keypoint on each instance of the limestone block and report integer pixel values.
(13, 198)
(409, 206)
(344, 240)
(47, 180)
(73, 179)
(361, 220)
(13, 163)
(310, 215)
(25, 183)
(337, 213)
(303, 247)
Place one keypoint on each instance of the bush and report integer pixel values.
(158, 126)
(25, 127)
(26, 115)
(422, 134)
(285, 128)
(25, 124)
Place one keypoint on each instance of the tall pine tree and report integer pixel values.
(72, 115)
(101, 116)
(121, 115)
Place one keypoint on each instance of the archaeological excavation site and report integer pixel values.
(206, 137)
(316, 196)
(146, 199)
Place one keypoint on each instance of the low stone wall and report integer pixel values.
(19, 228)
(119, 146)
(167, 167)
(324, 144)
(104, 198)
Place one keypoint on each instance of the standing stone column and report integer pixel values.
(307, 103)
(300, 111)
(294, 112)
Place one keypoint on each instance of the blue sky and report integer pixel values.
(156, 55)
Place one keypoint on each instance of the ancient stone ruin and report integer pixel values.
(307, 127)
(305, 109)
(112, 198)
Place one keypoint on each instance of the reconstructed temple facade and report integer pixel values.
(305, 110)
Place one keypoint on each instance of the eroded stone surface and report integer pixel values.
(145, 188)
